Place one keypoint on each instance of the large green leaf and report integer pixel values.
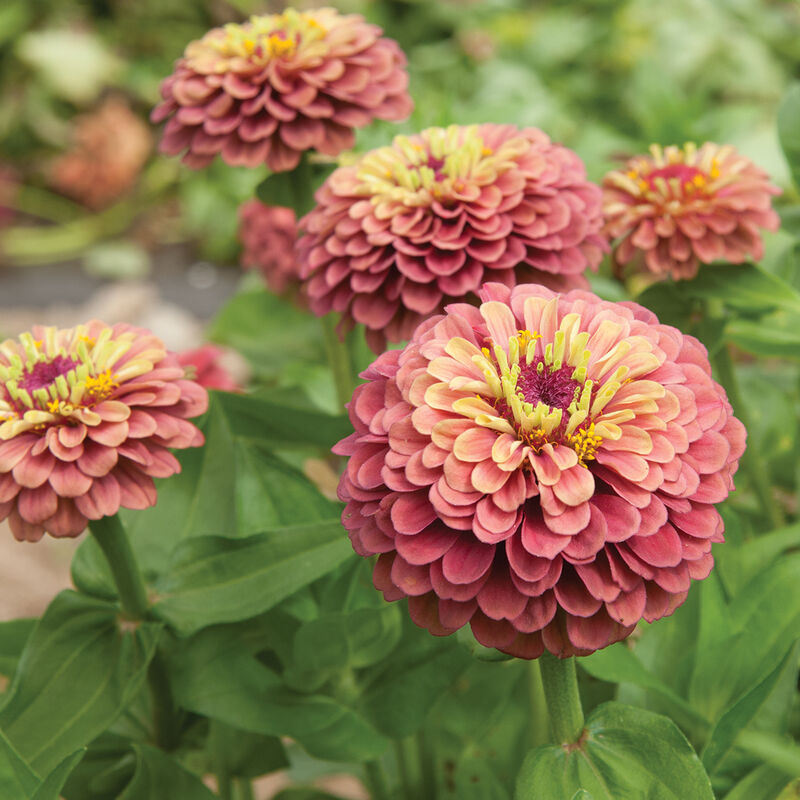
(243, 753)
(217, 676)
(233, 486)
(619, 664)
(13, 635)
(159, 777)
(79, 670)
(789, 129)
(17, 780)
(50, 788)
(625, 753)
(736, 718)
(212, 579)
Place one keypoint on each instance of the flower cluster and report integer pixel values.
(411, 226)
(269, 235)
(269, 89)
(87, 419)
(543, 467)
(679, 208)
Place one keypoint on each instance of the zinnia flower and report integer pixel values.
(205, 366)
(88, 415)
(269, 236)
(542, 467)
(426, 220)
(683, 207)
(269, 89)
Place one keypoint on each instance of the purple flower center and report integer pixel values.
(44, 373)
(436, 165)
(555, 389)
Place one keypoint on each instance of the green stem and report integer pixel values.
(408, 766)
(775, 750)
(110, 535)
(427, 767)
(751, 458)
(166, 715)
(224, 785)
(376, 779)
(539, 723)
(563, 699)
(339, 360)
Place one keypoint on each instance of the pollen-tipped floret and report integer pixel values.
(426, 220)
(267, 90)
(542, 468)
(88, 416)
(678, 208)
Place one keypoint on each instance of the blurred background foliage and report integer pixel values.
(605, 77)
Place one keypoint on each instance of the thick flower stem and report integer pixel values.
(110, 535)
(376, 780)
(563, 699)
(751, 459)
(339, 360)
(538, 704)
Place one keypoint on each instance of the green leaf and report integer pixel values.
(294, 189)
(790, 792)
(355, 639)
(736, 718)
(79, 670)
(763, 783)
(243, 754)
(51, 787)
(160, 777)
(17, 779)
(625, 752)
(212, 579)
(13, 635)
(789, 129)
(619, 664)
(219, 678)
(268, 331)
(774, 335)
(232, 487)
(475, 780)
(401, 692)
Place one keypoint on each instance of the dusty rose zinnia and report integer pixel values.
(269, 89)
(88, 415)
(679, 208)
(542, 467)
(426, 220)
(269, 235)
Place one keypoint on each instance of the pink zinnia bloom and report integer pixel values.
(542, 467)
(679, 208)
(269, 235)
(267, 90)
(204, 365)
(87, 419)
(412, 226)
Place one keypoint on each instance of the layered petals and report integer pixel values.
(541, 468)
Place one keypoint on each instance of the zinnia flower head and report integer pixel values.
(269, 89)
(679, 208)
(269, 236)
(426, 220)
(542, 467)
(87, 419)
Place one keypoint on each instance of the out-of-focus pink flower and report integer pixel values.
(412, 226)
(543, 467)
(110, 147)
(269, 235)
(679, 208)
(88, 416)
(269, 89)
(204, 365)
